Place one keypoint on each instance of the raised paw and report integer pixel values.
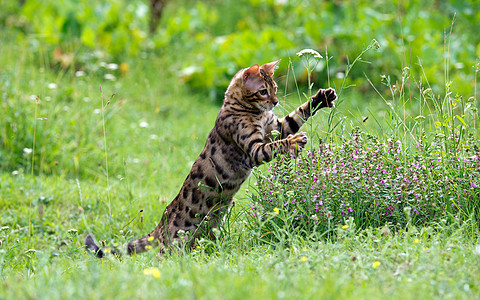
(297, 142)
(323, 98)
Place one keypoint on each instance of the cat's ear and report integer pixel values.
(252, 78)
(253, 70)
(270, 67)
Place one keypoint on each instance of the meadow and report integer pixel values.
(100, 123)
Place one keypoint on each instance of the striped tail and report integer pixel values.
(90, 245)
(137, 246)
(142, 244)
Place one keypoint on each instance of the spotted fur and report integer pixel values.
(240, 140)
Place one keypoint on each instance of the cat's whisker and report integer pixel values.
(280, 78)
(287, 95)
(282, 108)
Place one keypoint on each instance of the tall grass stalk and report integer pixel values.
(37, 99)
(30, 229)
(447, 56)
(106, 151)
(310, 59)
(475, 100)
(327, 59)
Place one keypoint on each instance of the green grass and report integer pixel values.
(423, 263)
(45, 216)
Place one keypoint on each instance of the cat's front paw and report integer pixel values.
(323, 98)
(296, 143)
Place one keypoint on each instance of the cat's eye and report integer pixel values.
(263, 92)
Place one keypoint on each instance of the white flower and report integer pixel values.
(52, 86)
(109, 77)
(143, 124)
(220, 40)
(97, 111)
(112, 66)
(309, 51)
(79, 74)
(141, 11)
(190, 70)
(27, 150)
(477, 249)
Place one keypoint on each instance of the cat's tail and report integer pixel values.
(137, 246)
(153, 239)
(142, 244)
(90, 245)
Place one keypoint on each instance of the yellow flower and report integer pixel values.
(150, 238)
(124, 68)
(152, 272)
(148, 247)
(156, 273)
(108, 250)
(416, 241)
(303, 258)
(376, 264)
(345, 226)
(276, 211)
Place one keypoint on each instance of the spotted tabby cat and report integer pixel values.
(240, 140)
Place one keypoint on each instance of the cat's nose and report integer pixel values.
(275, 102)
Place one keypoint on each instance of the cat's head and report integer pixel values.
(258, 87)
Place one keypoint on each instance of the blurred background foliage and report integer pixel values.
(208, 41)
(63, 50)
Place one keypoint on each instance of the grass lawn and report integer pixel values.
(51, 263)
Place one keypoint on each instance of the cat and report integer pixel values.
(241, 139)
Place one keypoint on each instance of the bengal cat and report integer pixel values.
(240, 140)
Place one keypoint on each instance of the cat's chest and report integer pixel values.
(259, 124)
(264, 125)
